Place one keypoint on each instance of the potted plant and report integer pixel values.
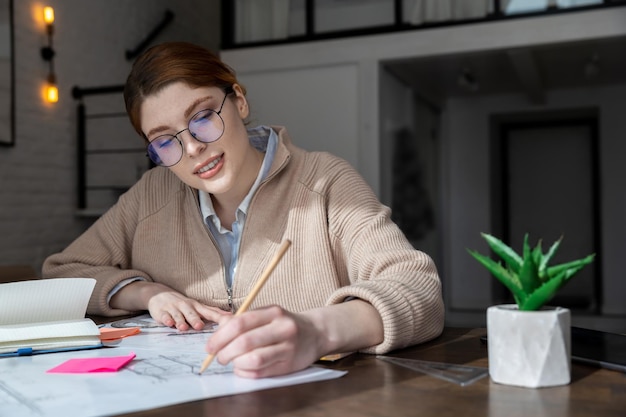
(529, 343)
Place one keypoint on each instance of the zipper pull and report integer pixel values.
(229, 291)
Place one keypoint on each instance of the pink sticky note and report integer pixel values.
(90, 365)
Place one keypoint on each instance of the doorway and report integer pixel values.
(548, 188)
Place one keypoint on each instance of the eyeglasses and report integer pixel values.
(206, 126)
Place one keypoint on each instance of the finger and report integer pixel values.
(167, 320)
(251, 342)
(233, 327)
(264, 362)
(193, 319)
(213, 314)
(281, 332)
(181, 321)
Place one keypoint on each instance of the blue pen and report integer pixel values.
(29, 351)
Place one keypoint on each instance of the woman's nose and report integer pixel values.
(192, 146)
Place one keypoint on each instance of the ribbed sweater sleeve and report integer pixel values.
(383, 268)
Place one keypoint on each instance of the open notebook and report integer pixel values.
(46, 315)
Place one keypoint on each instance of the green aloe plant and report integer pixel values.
(529, 278)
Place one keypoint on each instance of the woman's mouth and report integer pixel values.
(210, 165)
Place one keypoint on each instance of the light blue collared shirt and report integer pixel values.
(265, 140)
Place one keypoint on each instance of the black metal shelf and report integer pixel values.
(228, 10)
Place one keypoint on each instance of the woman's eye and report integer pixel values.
(164, 142)
(203, 117)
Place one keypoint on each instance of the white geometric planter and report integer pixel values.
(529, 348)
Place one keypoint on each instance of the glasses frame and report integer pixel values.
(227, 92)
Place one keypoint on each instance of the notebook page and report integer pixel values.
(44, 300)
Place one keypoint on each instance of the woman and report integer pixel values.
(190, 239)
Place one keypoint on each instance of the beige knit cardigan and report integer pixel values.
(343, 245)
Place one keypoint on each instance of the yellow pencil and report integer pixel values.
(257, 287)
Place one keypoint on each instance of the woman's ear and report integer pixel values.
(240, 101)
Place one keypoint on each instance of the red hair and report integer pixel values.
(172, 62)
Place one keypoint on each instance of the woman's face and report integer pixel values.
(225, 168)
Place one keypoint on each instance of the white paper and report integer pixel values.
(164, 372)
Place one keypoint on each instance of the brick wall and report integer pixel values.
(38, 174)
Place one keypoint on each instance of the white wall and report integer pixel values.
(326, 114)
(38, 175)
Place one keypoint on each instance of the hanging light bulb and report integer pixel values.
(51, 91)
(48, 15)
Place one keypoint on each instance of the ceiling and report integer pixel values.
(532, 71)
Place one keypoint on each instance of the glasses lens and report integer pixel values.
(165, 150)
(206, 126)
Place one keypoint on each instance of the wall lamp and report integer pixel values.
(51, 92)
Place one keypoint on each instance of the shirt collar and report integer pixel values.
(265, 140)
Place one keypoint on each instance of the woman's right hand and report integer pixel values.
(166, 306)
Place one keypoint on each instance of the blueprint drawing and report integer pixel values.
(164, 372)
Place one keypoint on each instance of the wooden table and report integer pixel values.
(374, 387)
